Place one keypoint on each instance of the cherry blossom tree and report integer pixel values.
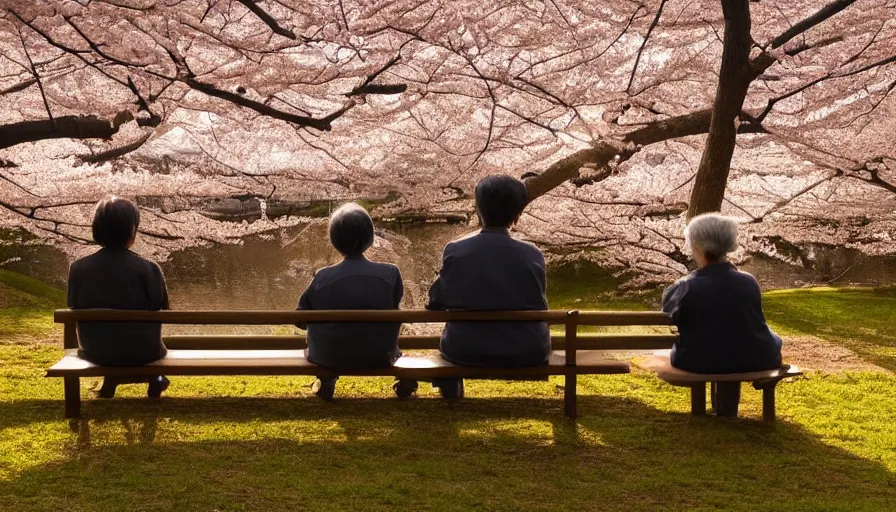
(621, 115)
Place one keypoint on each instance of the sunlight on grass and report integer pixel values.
(862, 319)
(265, 443)
(513, 431)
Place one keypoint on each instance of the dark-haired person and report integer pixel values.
(718, 311)
(354, 283)
(114, 277)
(491, 271)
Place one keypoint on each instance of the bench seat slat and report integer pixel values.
(293, 362)
(676, 377)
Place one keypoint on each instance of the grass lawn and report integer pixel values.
(863, 319)
(263, 443)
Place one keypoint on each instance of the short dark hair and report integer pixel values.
(500, 199)
(115, 221)
(351, 229)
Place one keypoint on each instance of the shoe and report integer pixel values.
(404, 388)
(450, 389)
(108, 389)
(324, 388)
(156, 386)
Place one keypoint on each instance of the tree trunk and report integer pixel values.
(735, 76)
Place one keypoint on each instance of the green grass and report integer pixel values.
(26, 305)
(862, 319)
(264, 443)
(586, 286)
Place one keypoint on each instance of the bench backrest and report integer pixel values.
(571, 340)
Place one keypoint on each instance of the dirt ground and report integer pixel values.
(811, 353)
(807, 352)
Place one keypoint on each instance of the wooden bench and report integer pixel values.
(573, 355)
(765, 380)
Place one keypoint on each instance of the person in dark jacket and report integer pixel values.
(354, 283)
(114, 277)
(492, 271)
(718, 311)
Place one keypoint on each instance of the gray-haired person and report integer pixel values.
(354, 283)
(718, 311)
(492, 271)
(114, 277)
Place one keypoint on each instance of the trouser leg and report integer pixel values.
(451, 387)
(727, 399)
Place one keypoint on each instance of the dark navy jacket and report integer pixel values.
(491, 271)
(118, 279)
(355, 283)
(718, 311)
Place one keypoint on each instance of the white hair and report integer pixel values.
(713, 234)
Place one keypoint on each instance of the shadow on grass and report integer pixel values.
(427, 454)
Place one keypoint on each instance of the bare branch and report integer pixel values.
(268, 19)
(824, 14)
(656, 21)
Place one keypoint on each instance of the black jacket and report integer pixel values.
(718, 311)
(118, 279)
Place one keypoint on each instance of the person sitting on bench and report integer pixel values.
(718, 311)
(114, 277)
(491, 271)
(354, 283)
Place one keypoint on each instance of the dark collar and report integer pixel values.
(716, 268)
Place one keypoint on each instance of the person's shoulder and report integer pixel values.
(528, 248)
(137, 260)
(467, 239)
(323, 272)
(526, 245)
(385, 267)
(745, 277)
(85, 262)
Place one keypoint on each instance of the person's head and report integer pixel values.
(351, 230)
(500, 200)
(711, 237)
(115, 223)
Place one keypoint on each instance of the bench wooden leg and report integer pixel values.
(698, 399)
(72, 397)
(768, 403)
(569, 397)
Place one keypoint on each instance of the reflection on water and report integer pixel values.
(271, 272)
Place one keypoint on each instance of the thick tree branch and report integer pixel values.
(114, 153)
(21, 86)
(65, 127)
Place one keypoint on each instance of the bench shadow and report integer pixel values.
(272, 453)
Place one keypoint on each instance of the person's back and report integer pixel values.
(718, 312)
(355, 283)
(491, 271)
(721, 325)
(118, 279)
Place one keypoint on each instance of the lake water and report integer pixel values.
(270, 272)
